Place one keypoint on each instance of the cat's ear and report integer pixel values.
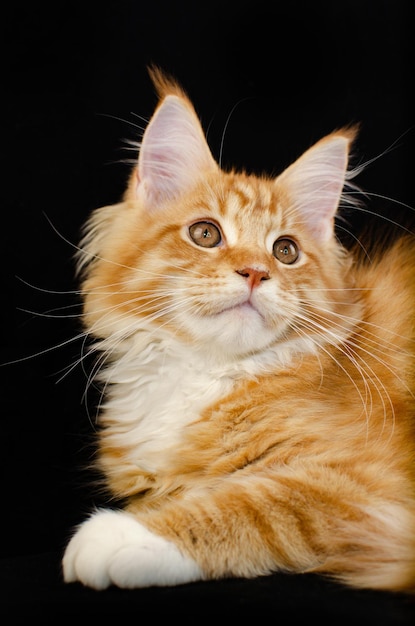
(314, 183)
(174, 153)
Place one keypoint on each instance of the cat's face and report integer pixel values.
(229, 268)
(227, 262)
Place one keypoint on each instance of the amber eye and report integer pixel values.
(205, 234)
(286, 250)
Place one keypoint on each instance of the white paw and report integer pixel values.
(111, 547)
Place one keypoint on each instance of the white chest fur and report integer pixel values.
(155, 390)
(155, 387)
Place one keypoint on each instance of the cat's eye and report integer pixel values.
(205, 234)
(286, 250)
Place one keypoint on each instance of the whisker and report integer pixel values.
(51, 313)
(352, 351)
(385, 217)
(365, 324)
(69, 292)
(57, 346)
(301, 330)
(354, 237)
(225, 128)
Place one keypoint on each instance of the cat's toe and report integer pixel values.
(114, 548)
(88, 552)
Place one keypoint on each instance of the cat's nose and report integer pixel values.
(253, 276)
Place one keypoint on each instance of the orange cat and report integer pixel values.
(258, 377)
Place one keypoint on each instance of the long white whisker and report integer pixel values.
(371, 337)
(307, 325)
(388, 219)
(351, 350)
(44, 351)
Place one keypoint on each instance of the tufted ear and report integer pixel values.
(174, 153)
(314, 183)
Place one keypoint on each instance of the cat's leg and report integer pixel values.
(111, 547)
(246, 531)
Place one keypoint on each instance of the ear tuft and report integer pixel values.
(174, 153)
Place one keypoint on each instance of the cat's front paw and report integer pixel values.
(112, 548)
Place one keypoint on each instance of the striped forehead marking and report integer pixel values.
(249, 207)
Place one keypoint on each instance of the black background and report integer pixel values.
(268, 79)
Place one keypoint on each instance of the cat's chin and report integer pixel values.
(236, 330)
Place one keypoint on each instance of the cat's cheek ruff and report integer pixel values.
(112, 548)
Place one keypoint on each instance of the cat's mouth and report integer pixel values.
(242, 309)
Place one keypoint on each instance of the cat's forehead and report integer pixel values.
(239, 195)
(246, 202)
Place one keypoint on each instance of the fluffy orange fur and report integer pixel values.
(305, 464)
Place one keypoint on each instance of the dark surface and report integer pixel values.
(35, 589)
(268, 81)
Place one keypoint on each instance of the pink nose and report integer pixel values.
(253, 276)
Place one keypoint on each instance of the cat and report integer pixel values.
(257, 374)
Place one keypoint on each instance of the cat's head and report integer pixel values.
(228, 262)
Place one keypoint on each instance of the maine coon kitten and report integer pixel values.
(259, 413)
